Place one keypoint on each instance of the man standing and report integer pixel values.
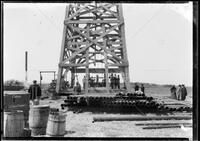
(84, 81)
(118, 82)
(184, 92)
(111, 81)
(35, 91)
(142, 88)
(136, 87)
(179, 93)
(77, 88)
(115, 81)
(173, 92)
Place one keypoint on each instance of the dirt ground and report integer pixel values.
(81, 125)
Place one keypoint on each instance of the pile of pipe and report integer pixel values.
(129, 102)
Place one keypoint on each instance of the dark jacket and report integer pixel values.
(35, 91)
(136, 87)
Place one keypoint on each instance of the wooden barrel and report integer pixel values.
(13, 124)
(38, 118)
(56, 124)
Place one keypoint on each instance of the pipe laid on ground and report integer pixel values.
(141, 118)
(165, 126)
(146, 124)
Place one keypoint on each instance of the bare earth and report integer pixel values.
(81, 125)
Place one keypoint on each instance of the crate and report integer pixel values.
(16, 100)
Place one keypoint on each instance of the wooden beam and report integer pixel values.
(106, 66)
(140, 118)
(98, 70)
(76, 53)
(119, 65)
(112, 12)
(76, 43)
(87, 66)
(124, 54)
(95, 41)
(91, 17)
(90, 21)
(58, 84)
(77, 13)
(70, 65)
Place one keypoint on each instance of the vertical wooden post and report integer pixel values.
(87, 64)
(124, 54)
(87, 71)
(105, 60)
(73, 77)
(106, 68)
(26, 66)
(58, 85)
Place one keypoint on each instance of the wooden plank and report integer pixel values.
(112, 12)
(124, 54)
(91, 17)
(88, 11)
(112, 59)
(140, 118)
(76, 43)
(90, 21)
(95, 41)
(106, 68)
(98, 70)
(97, 52)
(76, 53)
(70, 65)
(87, 65)
(114, 43)
(77, 13)
(62, 53)
(119, 65)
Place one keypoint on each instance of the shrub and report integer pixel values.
(13, 85)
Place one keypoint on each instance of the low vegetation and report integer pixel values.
(13, 85)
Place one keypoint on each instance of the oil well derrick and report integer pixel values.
(93, 44)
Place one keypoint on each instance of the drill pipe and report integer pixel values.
(141, 118)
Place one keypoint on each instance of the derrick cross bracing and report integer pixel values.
(91, 30)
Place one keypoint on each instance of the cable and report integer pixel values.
(48, 18)
(148, 21)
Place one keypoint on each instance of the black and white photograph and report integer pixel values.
(98, 70)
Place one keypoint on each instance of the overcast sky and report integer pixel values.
(158, 40)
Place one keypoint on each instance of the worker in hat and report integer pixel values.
(35, 91)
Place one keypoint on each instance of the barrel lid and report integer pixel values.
(13, 112)
(15, 92)
(40, 106)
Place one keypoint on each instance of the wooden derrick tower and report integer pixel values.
(93, 43)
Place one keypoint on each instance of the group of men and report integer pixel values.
(93, 83)
(114, 81)
(137, 88)
(180, 93)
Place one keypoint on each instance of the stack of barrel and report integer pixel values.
(46, 121)
(129, 102)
